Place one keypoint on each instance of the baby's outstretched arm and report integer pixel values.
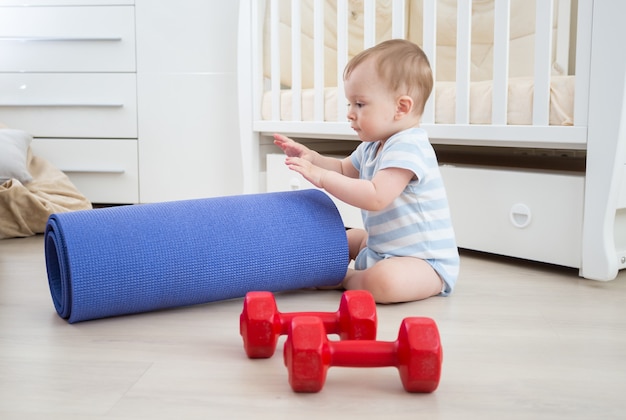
(374, 195)
(341, 179)
(295, 149)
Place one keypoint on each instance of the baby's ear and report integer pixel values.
(404, 106)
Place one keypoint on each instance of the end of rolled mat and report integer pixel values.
(55, 267)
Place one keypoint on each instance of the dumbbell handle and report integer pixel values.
(329, 319)
(364, 353)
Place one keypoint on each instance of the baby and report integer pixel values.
(408, 250)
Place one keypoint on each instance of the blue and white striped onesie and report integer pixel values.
(417, 223)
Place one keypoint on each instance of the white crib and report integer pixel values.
(529, 124)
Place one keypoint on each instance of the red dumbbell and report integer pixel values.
(417, 354)
(260, 323)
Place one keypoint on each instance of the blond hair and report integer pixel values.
(403, 66)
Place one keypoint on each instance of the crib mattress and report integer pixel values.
(519, 109)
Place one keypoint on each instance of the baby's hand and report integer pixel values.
(292, 148)
(310, 172)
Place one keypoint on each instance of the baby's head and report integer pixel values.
(402, 66)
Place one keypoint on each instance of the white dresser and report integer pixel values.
(134, 100)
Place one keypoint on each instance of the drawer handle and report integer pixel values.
(59, 39)
(94, 171)
(62, 105)
(520, 215)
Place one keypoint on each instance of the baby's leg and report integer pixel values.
(397, 279)
(357, 239)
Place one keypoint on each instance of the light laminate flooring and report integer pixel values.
(521, 341)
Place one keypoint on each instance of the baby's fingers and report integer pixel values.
(294, 163)
(291, 161)
(281, 140)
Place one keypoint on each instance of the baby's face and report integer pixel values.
(371, 106)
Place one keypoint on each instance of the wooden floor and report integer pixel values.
(521, 341)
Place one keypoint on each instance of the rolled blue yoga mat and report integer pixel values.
(131, 259)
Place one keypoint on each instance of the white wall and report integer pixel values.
(187, 99)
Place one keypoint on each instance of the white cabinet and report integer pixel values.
(134, 100)
(67, 76)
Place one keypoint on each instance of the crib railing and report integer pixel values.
(538, 134)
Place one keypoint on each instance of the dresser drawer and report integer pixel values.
(67, 39)
(105, 171)
(70, 105)
(281, 178)
(530, 215)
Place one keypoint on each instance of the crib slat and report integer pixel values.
(275, 60)
(501, 35)
(564, 8)
(318, 60)
(369, 23)
(397, 19)
(543, 46)
(296, 62)
(583, 60)
(429, 47)
(463, 55)
(342, 55)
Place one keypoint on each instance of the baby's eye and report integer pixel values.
(356, 104)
